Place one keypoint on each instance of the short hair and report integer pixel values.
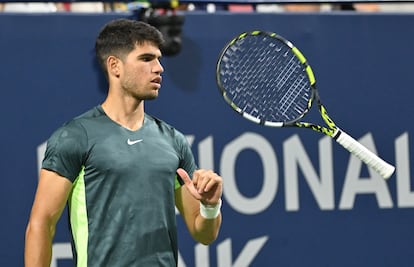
(119, 37)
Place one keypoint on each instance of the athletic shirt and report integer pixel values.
(121, 207)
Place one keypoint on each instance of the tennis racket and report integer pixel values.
(267, 80)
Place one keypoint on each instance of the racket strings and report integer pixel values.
(263, 77)
(289, 100)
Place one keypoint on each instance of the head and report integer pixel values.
(119, 37)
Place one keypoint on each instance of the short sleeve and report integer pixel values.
(66, 151)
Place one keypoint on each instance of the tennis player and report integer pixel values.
(122, 171)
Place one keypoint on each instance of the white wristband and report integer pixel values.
(210, 211)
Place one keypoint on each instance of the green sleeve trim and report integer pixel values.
(178, 182)
(79, 218)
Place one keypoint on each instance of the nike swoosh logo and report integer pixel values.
(133, 142)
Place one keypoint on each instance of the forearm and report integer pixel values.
(207, 223)
(50, 200)
(206, 230)
(203, 220)
(38, 245)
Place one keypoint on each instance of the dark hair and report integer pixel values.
(120, 36)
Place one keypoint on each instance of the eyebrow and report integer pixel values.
(148, 55)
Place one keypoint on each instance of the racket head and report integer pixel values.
(267, 80)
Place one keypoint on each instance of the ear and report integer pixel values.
(113, 66)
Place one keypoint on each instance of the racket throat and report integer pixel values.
(336, 133)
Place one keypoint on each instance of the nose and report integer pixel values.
(158, 68)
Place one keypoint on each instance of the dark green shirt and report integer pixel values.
(121, 208)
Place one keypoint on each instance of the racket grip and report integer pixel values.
(364, 154)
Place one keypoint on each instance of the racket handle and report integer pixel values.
(379, 165)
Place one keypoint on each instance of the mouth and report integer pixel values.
(157, 80)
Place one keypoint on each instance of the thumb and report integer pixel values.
(188, 183)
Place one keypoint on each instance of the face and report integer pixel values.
(140, 72)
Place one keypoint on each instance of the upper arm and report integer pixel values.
(51, 196)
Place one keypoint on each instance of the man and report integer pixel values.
(117, 167)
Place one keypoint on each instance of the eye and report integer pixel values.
(147, 58)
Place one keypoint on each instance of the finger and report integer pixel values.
(207, 180)
(184, 176)
(188, 183)
(212, 184)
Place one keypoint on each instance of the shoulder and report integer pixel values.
(78, 124)
(74, 132)
(168, 131)
(163, 126)
(93, 114)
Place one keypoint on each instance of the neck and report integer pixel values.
(127, 113)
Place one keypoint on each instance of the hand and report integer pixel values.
(205, 186)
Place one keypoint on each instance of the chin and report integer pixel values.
(152, 97)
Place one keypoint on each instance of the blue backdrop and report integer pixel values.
(292, 197)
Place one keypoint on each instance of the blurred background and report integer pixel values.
(292, 197)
